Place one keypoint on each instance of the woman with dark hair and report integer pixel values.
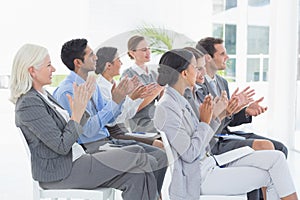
(195, 172)
(107, 67)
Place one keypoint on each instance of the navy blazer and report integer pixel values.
(234, 120)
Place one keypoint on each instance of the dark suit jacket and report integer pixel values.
(234, 120)
(49, 136)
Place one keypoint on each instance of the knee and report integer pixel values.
(263, 145)
(281, 147)
(163, 161)
(284, 150)
(280, 156)
(134, 148)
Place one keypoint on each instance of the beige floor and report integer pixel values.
(15, 182)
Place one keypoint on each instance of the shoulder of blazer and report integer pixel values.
(129, 71)
(220, 78)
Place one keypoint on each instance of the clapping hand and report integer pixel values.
(120, 91)
(232, 107)
(154, 89)
(82, 95)
(255, 109)
(139, 92)
(220, 104)
(133, 83)
(206, 109)
(244, 97)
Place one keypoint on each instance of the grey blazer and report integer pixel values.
(143, 120)
(188, 140)
(49, 136)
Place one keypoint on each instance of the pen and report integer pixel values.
(143, 133)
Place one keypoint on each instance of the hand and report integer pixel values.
(244, 97)
(255, 109)
(232, 107)
(120, 91)
(82, 95)
(139, 92)
(133, 83)
(220, 104)
(206, 109)
(154, 89)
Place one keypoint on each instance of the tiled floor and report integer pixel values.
(15, 182)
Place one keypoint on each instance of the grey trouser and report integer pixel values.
(156, 156)
(127, 168)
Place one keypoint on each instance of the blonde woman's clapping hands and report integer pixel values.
(82, 95)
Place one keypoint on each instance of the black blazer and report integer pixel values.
(234, 120)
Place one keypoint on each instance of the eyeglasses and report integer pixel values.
(143, 49)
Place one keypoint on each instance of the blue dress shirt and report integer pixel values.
(101, 112)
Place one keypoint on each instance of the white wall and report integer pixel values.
(283, 70)
(191, 18)
(46, 22)
(52, 22)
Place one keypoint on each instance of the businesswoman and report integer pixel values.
(139, 52)
(58, 162)
(194, 172)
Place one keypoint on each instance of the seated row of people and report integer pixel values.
(82, 124)
(66, 133)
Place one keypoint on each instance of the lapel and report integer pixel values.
(220, 83)
(59, 118)
(51, 98)
(183, 107)
(192, 100)
(200, 92)
(209, 88)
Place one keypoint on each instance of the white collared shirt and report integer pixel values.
(139, 70)
(129, 107)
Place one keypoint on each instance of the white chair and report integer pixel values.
(54, 194)
(202, 197)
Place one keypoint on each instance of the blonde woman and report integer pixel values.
(58, 161)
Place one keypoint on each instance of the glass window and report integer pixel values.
(230, 73)
(218, 6)
(265, 69)
(230, 38)
(230, 4)
(254, 69)
(230, 44)
(258, 2)
(258, 40)
(218, 30)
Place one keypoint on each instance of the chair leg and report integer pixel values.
(112, 195)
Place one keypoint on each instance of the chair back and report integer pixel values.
(35, 184)
(167, 149)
